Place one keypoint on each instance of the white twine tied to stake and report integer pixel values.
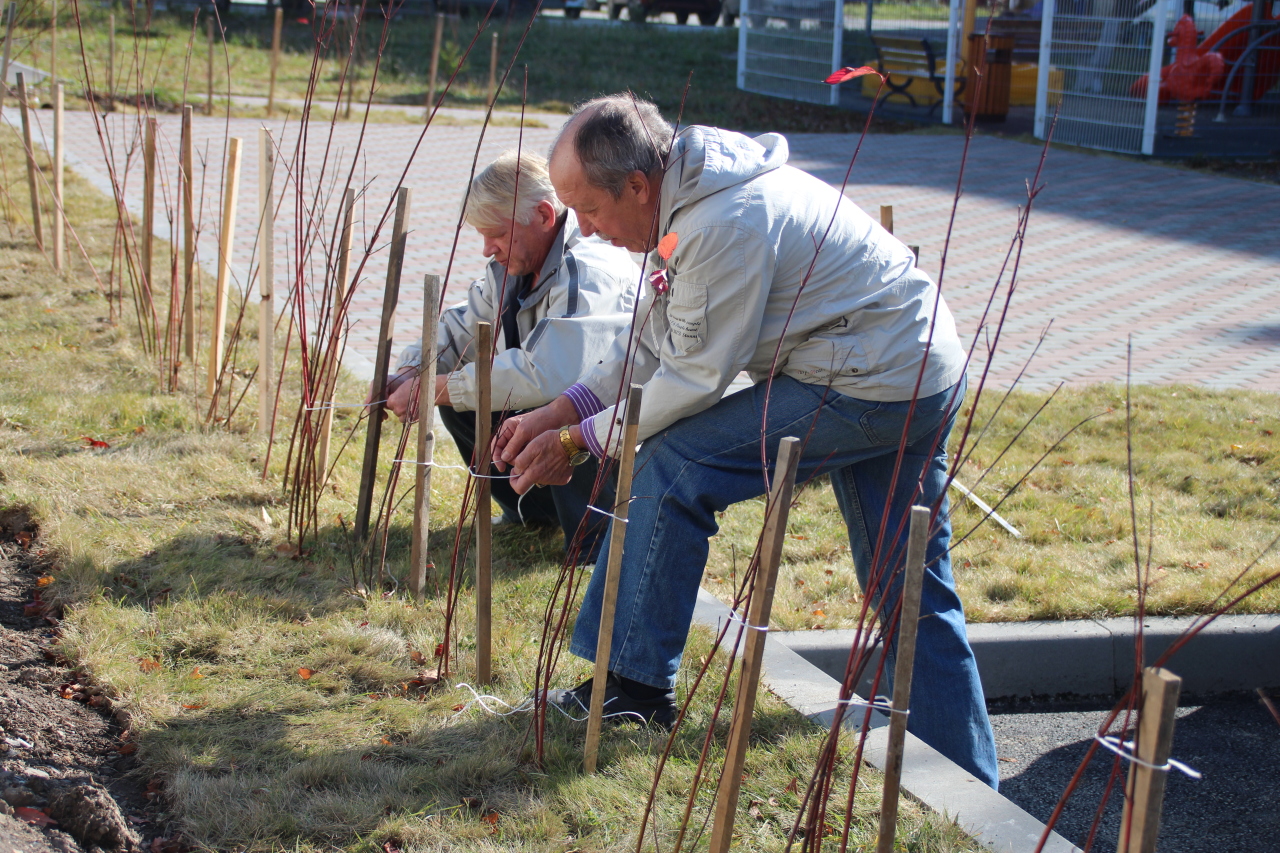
(1124, 749)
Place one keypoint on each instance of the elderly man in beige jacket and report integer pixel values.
(557, 299)
(761, 268)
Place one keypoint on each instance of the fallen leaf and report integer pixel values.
(139, 430)
(667, 245)
(128, 748)
(305, 674)
(793, 786)
(44, 581)
(385, 742)
(753, 809)
(491, 818)
(93, 442)
(196, 673)
(417, 657)
(819, 613)
(196, 707)
(439, 650)
(148, 664)
(848, 73)
(35, 817)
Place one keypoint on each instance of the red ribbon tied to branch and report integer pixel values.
(849, 73)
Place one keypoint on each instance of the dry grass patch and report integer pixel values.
(1207, 480)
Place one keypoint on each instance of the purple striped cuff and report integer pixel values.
(584, 400)
(589, 436)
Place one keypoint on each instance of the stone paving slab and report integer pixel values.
(1186, 264)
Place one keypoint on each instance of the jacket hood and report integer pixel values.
(706, 160)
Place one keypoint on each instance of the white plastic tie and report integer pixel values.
(1124, 749)
(320, 407)
(734, 617)
(880, 703)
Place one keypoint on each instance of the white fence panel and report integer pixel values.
(787, 47)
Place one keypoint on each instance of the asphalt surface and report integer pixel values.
(1232, 740)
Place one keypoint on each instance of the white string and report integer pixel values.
(606, 512)
(1124, 749)
(880, 703)
(734, 617)
(527, 705)
(454, 468)
(332, 405)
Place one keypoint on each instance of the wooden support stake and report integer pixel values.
(613, 571)
(970, 15)
(1144, 792)
(886, 217)
(59, 222)
(484, 507)
(266, 279)
(225, 242)
(335, 325)
(434, 70)
(188, 238)
(775, 531)
(53, 46)
(390, 297)
(208, 72)
(915, 250)
(908, 620)
(493, 69)
(11, 11)
(275, 59)
(420, 557)
(111, 61)
(147, 248)
(33, 184)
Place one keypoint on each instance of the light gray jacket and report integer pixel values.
(582, 300)
(749, 229)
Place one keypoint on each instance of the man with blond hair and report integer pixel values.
(760, 268)
(556, 300)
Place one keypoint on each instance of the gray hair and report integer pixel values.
(616, 135)
(493, 191)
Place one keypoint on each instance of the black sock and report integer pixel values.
(640, 690)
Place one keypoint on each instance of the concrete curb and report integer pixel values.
(929, 777)
(1092, 657)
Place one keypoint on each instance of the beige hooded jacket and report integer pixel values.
(756, 239)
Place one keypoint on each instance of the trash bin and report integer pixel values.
(993, 55)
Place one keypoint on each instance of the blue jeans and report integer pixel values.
(699, 466)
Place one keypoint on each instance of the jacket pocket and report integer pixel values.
(826, 357)
(687, 316)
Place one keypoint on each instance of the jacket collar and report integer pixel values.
(567, 237)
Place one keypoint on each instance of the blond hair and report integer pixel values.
(494, 190)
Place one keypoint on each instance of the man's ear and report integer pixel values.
(545, 212)
(638, 184)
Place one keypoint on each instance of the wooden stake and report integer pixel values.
(230, 197)
(912, 588)
(775, 530)
(420, 558)
(493, 69)
(1144, 793)
(390, 297)
(970, 15)
(484, 507)
(59, 222)
(434, 70)
(275, 59)
(33, 184)
(53, 46)
(339, 298)
(613, 571)
(11, 10)
(111, 61)
(188, 239)
(886, 217)
(915, 250)
(148, 206)
(266, 279)
(208, 104)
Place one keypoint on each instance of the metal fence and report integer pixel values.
(787, 47)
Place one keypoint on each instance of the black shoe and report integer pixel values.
(619, 706)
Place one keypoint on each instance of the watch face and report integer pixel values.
(580, 457)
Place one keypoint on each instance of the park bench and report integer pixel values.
(909, 59)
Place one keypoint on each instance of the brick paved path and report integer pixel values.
(1187, 264)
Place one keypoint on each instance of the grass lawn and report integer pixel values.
(274, 705)
(567, 63)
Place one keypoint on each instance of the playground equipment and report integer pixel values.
(1198, 71)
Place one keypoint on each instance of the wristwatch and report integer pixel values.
(576, 454)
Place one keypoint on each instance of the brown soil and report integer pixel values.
(68, 780)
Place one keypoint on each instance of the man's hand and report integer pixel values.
(402, 394)
(517, 432)
(543, 462)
